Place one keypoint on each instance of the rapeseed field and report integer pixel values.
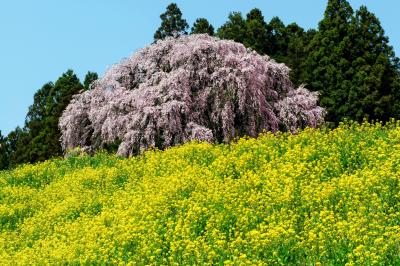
(319, 197)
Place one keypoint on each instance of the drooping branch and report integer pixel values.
(181, 89)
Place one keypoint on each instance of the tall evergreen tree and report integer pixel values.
(39, 110)
(284, 44)
(27, 147)
(234, 28)
(277, 39)
(295, 54)
(375, 89)
(202, 26)
(4, 159)
(329, 68)
(17, 144)
(353, 66)
(39, 139)
(64, 88)
(256, 31)
(89, 79)
(171, 23)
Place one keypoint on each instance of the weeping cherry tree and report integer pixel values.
(194, 87)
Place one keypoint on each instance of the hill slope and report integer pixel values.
(320, 196)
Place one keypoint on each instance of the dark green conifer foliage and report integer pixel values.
(35, 140)
(329, 68)
(17, 147)
(4, 159)
(39, 139)
(277, 39)
(234, 28)
(256, 32)
(375, 88)
(171, 23)
(287, 45)
(296, 52)
(202, 26)
(39, 110)
(64, 88)
(353, 66)
(252, 31)
(89, 78)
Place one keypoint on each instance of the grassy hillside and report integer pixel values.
(329, 197)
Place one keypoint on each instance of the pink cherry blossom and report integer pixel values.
(194, 87)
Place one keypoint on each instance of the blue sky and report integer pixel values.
(41, 39)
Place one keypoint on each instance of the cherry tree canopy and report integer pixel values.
(194, 87)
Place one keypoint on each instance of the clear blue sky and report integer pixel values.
(41, 39)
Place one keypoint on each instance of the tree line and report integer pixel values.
(347, 59)
(39, 138)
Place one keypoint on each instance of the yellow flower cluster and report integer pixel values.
(320, 197)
